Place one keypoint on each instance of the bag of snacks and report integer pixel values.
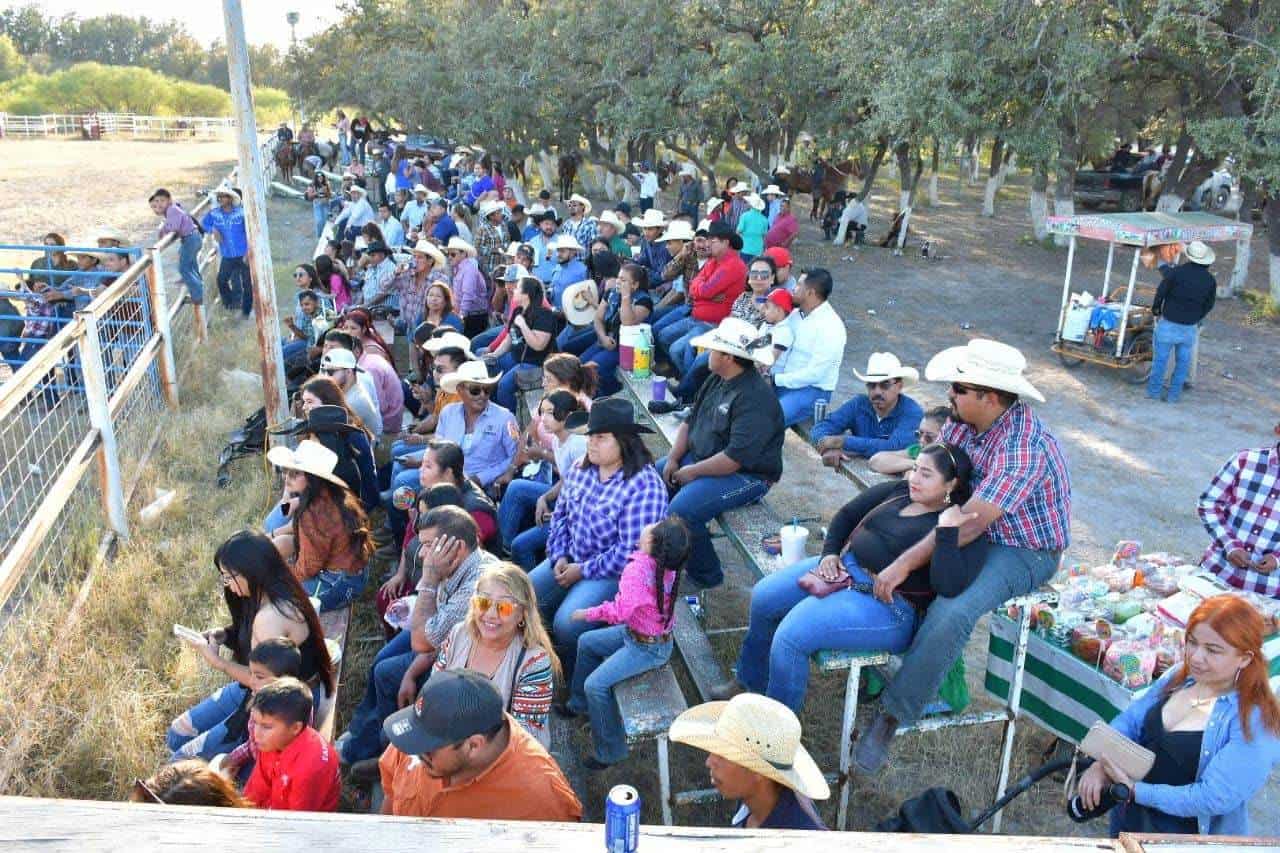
(1130, 662)
(1089, 640)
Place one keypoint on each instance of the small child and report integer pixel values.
(269, 660)
(639, 640)
(777, 307)
(297, 768)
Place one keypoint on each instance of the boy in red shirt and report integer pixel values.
(297, 768)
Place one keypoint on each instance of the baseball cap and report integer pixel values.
(782, 299)
(780, 256)
(452, 706)
(336, 358)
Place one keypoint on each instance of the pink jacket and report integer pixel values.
(636, 604)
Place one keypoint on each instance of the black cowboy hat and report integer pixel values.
(547, 215)
(720, 229)
(378, 246)
(320, 420)
(612, 414)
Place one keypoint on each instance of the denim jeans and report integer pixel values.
(515, 512)
(607, 657)
(664, 317)
(379, 702)
(693, 378)
(702, 500)
(575, 339)
(942, 636)
(335, 589)
(787, 625)
(797, 403)
(529, 548)
(320, 211)
(673, 331)
(485, 338)
(202, 731)
(681, 352)
(189, 265)
(1178, 339)
(607, 361)
(234, 287)
(557, 605)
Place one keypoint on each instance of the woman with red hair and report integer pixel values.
(359, 323)
(1213, 724)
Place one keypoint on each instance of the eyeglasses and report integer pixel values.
(482, 603)
(960, 389)
(226, 576)
(476, 390)
(883, 384)
(759, 274)
(299, 274)
(926, 437)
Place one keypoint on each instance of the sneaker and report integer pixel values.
(683, 413)
(726, 690)
(872, 748)
(662, 407)
(365, 772)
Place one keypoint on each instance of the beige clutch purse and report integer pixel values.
(1102, 741)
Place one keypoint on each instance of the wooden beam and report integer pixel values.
(110, 477)
(158, 300)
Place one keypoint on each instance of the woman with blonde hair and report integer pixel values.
(503, 639)
(188, 783)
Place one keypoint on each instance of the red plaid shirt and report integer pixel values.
(1018, 466)
(1241, 509)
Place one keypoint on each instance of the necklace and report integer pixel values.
(1200, 702)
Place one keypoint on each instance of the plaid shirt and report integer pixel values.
(584, 231)
(1241, 509)
(598, 524)
(1018, 466)
(490, 241)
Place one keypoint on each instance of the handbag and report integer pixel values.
(819, 587)
(1133, 758)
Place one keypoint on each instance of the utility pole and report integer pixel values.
(292, 18)
(253, 189)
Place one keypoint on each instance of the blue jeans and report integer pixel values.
(607, 361)
(693, 378)
(606, 657)
(1179, 340)
(202, 731)
(797, 403)
(942, 636)
(788, 625)
(189, 265)
(672, 331)
(557, 604)
(681, 351)
(379, 702)
(335, 589)
(515, 512)
(702, 500)
(275, 519)
(575, 339)
(234, 286)
(320, 211)
(485, 338)
(529, 548)
(664, 317)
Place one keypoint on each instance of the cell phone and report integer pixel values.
(284, 508)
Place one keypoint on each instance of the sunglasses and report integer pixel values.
(960, 389)
(926, 437)
(482, 603)
(476, 390)
(883, 384)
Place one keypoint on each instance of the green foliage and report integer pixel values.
(11, 62)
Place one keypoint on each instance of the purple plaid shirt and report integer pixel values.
(598, 524)
(1241, 509)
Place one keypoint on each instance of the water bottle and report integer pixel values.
(819, 410)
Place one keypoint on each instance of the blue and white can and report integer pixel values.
(622, 820)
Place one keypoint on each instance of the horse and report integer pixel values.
(286, 158)
(567, 170)
(831, 180)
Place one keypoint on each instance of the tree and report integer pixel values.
(11, 62)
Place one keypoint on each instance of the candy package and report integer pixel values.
(1127, 553)
(1162, 581)
(1089, 640)
(1130, 662)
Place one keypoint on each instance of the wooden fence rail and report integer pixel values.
(116, 124)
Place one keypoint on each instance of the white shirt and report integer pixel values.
(573, 449)
(816, 351)
(392, 232)
(363, 404)
(856, 212)
(648, 185)
(357, 214)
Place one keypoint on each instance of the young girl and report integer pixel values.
(639, 640)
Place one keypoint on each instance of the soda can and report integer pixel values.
(819, 410)
(622, 820)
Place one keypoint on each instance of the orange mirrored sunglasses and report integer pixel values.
(482, 603)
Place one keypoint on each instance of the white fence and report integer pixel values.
(117, 124)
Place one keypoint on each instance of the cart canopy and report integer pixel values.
(1150, 229)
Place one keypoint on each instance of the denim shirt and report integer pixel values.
(870, 433)
(491, 445)
(1231, 769)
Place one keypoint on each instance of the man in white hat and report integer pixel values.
(580, 224)
(569, 268)
(691, 195)
(882, 419)
(1184, 298)
(415, 212)
(355, 215)
(738, 205)
(812, 368)
(728, 452)
(654, 255)
(340, 366)
(610, 227)
(226, 221)
(648, 179)
(755, 757)
(491, 236)
(1021, 503)
(773, 196)
(486, 431)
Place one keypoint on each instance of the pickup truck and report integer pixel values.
(1129, 183)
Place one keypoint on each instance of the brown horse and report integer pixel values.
(286, 158)
(567, 169)
(832, 179)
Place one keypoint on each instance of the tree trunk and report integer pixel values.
(1039, 203)
(1271, 216)
(975, 164)
(606, 159)
(1064, 184)
(908, 196)
(906, 185)
(993, 178)
(882, 147)
(933, 176)
(696, 159)
(1010, 163)
(751, 163)
(546, 169)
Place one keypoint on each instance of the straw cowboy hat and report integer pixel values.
(688, 169)
(469, 372)
(736, 337)
(985, 363)
(490, 207)
(754, 732)
(677, 230)
(311, 457)
(566, 241)
(885, 365)
(576, 303)
(447, 341)
(107, 233)
(426, 247)
(611, 218)
(739, 187)
(356, 188)
(1199, 253)
(755, 201)
(772, 189)
(652, 218)
(457, 244)
(420, 188)
(582, 200)
(227, 190)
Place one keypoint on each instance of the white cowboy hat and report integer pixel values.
(772, 189)
(652, 218)
(311, 457)
(677, 229)
(755, 201)
(490, 207)
(576, 304)
(462, 149)
(756, 733)
(358, 189)
(447, 340)
(1199, 253)
(782, 170)
(885, 365)
(567, 241)
(712, 204)
(537, 208)
(512, 249)
(108, 233)
(426, 247)
(985, 363)
(611, 218)
(739, 187)
(226, 189)
(689, 169)
(736, 337)
(457, 244)
(467, 372)
(421, 188)
(582, 200)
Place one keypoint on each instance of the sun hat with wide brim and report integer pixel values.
(677, 230)
(885, 365)
(468, 373)
(311, 457)
(609, 415)
(576, 303)
(757, 733)
(582, 200)
(431, 250)
(457, 244)
(772, 189)
(567, 241)
(986, 364)
(449, 340)
(611, 218)
(1199, 253)
(488, 208)
(420, 188)
(736, 337)
(739, 187)
(756, 201)
(652, 218)
(115, 235)
(227, 190)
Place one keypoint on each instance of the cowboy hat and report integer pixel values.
(468, 373)
(582, 200)
(611, 218)
(449, 340)
(677, 230)
(782, 170)
(227, 190)
(755, 201)
(576, 303)
(420, 188)
(689, 169)
(457, 244)
(721, 230)
(756, 733)
(490, 207)
(885, 365)
(462, 149)
(512, 249)
(379, 247)
(772, 189)
(652, 218)
(356, 188)
(426, 247)
(311, 457)
(567, 241)
(610, 415)
(985, 363)
(736, 337)
(320, 420)
(513, 273)
(1199, 253)
(115, 235)
(712, 204)
(739, 187)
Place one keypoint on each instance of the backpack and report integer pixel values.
(247, 440)
(937, 810)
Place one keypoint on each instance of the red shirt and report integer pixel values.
(302, 778)
(719, 282)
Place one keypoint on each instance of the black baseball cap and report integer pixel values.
(452, 706)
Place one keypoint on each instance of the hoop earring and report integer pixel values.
(1236, 681)
(520, 627)
(946, 499)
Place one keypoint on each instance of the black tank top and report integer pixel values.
(1177, 763)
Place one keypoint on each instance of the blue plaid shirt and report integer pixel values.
(584, 231)
(598, 524)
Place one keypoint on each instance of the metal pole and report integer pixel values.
(1066, 286)
(255, 208)
(111, 481)
(1128, 301)
(1106, 277)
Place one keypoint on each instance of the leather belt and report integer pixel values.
(648, 640)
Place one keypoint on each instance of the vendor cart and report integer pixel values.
(1117, 331)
